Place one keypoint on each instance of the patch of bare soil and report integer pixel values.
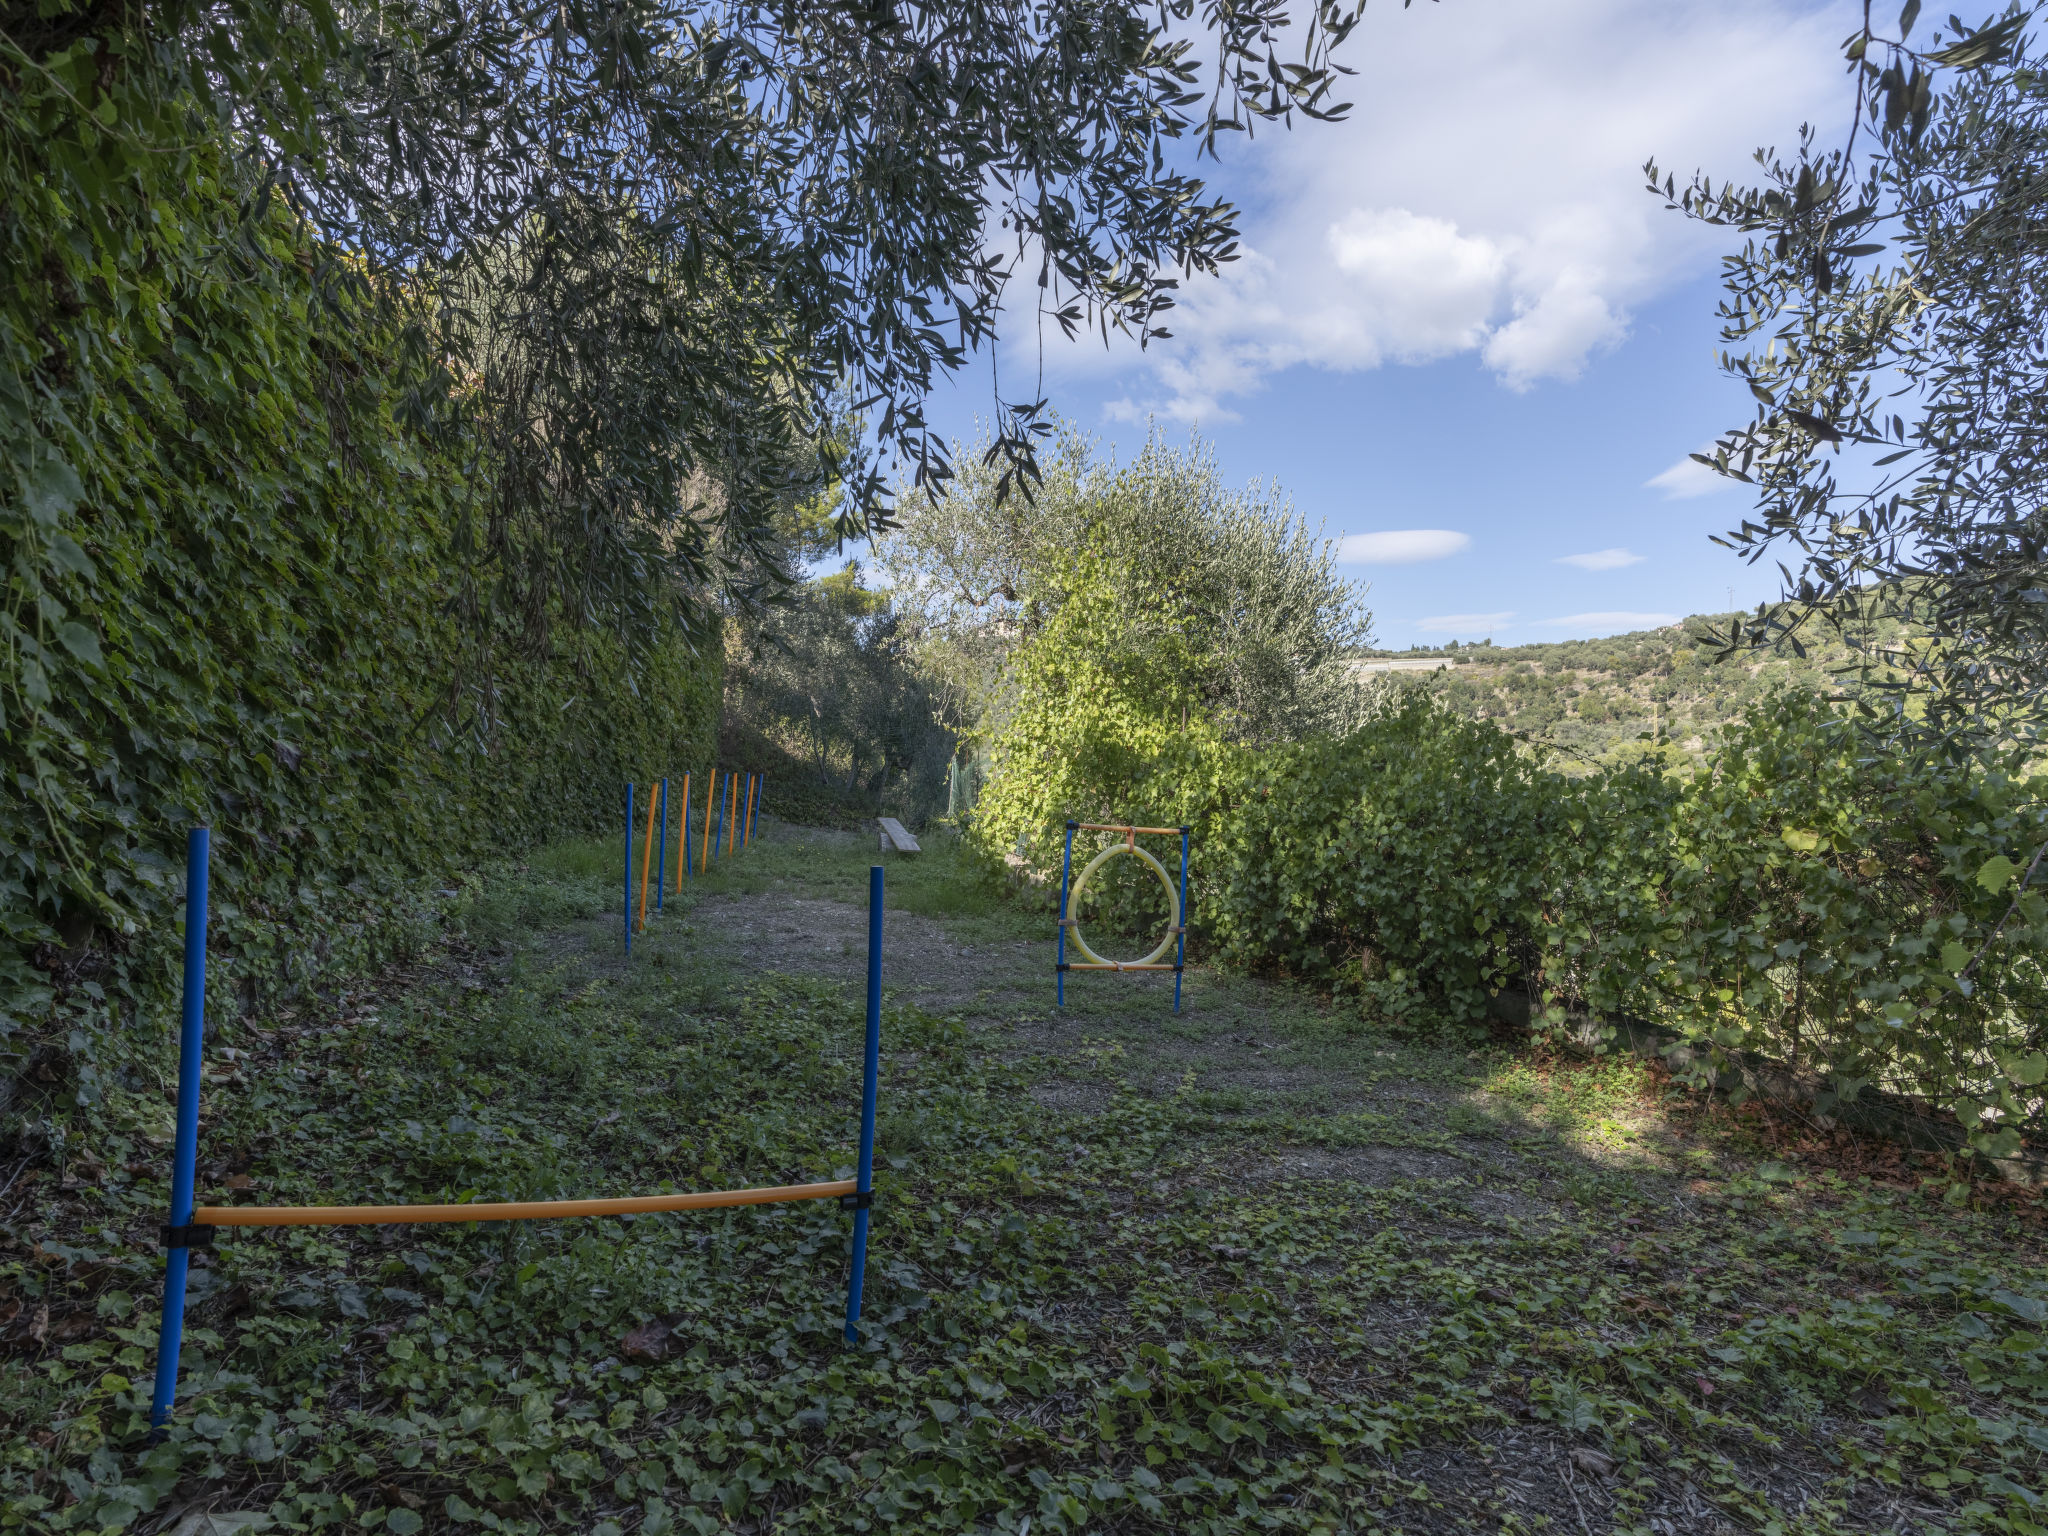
(1072, 1098)
(1375, 1166)
(813, 936)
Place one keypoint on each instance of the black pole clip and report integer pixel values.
(859, 1200)
(194, 1236)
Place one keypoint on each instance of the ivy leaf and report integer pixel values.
(1954, 957)
(2031, 1309)
(80, 642)
(53, 491)
(1800, 839)
(67, 556)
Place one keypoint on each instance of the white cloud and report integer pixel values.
(1611, 623)
(1602, 559)
(1465, 623)
(1486, 199)
(1689, 478)
(1401, 546)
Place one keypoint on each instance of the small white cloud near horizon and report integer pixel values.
(1619, 623)
(1471, 623)
(1602, 559)
(1401, 546)
(1689, 478)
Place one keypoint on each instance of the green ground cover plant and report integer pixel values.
(1265, 1267)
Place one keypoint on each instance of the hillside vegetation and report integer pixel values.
(1605, 700)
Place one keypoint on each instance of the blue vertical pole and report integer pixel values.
(689, 866)
(629, 866)
(661, 864)
(865, 1192)
(1180, 944)
(185, 1154)
(1060, 949)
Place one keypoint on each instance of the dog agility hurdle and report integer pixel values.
(193, 1226)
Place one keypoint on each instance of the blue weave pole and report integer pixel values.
(661, 865)
(1180, 942)
(865, 1193)
(185, 1154)
(689, 865)
(718, 830)
(629, 867)
(1066, 873)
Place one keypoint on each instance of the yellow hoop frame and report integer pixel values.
(1129, 845)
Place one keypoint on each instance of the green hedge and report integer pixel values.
(1808, 896)
(227, 600)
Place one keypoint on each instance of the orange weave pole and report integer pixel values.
(1096, 826)
(509, 1210)
(753, 794)
(646, 853)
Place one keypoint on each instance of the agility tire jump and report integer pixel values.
(1175, 937)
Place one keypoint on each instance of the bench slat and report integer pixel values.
(898, 835)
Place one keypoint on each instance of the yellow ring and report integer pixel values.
(1172, 905)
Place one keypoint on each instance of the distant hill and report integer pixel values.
(1598, 700)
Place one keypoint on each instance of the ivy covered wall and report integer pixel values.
(227, 581)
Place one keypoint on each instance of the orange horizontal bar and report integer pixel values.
(1096, 826)
(509, 1210)
(1162, 966)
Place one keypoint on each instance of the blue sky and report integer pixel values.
(1463, 327)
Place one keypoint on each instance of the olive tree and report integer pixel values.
(1887, 314)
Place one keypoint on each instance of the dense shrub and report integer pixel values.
(1855, 913)
(227, 571)
(1412, 861)
(1849, 909)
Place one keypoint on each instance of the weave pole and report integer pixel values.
(760, 794)
(718, 829)
(661, 868)
(732, 813)
(864, 1194)
(647, 855)
(704, 849)
(179, 1235)
(683, 832)
(753, 804)
(629, 868)
(1066, 875)
(1180, 948)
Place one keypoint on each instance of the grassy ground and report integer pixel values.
(1258, 1267)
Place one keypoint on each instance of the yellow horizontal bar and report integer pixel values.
(509, 1210)
(1162, 966)
(1097, 826)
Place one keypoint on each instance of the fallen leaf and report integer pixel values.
(647, 1342)
(1589, 1460)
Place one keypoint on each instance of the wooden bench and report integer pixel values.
(895, 837)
